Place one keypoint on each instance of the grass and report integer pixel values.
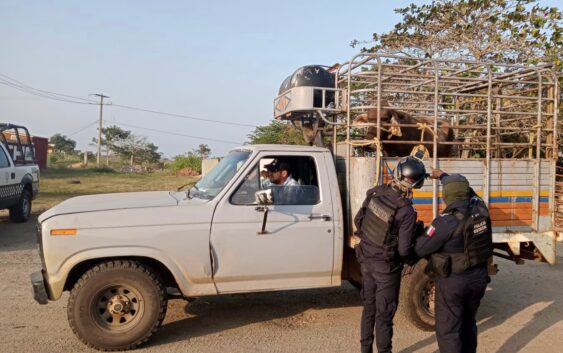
(59, 184)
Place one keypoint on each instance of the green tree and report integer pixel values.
(514, 31)
(277, 132)
(149, 154)
(114, 136)
(203, 151)
(62, 143)
(190, 161)
(138, 150)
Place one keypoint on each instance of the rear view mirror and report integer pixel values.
(264, 197)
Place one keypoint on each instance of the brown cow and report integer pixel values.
(404, 133)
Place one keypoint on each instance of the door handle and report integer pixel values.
(324, 217)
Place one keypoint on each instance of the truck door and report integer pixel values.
(296, 251)
(8, 192)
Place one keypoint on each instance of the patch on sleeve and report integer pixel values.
(430, 231)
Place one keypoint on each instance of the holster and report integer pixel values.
(441, 264)
(391, 248)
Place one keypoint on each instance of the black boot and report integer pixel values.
(367, 349)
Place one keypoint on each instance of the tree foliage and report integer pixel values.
(190, 161)
(129, 146)
(203, 151)
(62, 143)
(113, 137)
(277, 132)
(513, 31)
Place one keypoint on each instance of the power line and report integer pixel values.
(8, 81)
(182, 116)
(76, 131)
(21, 84)
(38, 94)
(178, 134)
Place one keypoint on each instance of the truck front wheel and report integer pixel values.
(21, 211)
(417, 297)
(117, 305)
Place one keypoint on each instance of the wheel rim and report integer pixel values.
(428, 296)
(118, 308)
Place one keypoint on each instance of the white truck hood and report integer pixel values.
(117, 201)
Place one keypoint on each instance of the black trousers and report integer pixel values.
(457, 300)
(380, 296)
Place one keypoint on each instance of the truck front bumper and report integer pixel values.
(39, 290)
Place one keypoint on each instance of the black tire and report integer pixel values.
(21, 211)
(416, 301)
(117, 305)
(356, 284)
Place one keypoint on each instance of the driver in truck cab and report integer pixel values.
(286, 189)
(385, 224)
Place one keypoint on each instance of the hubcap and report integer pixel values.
(118, 307)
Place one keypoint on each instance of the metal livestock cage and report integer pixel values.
(498, 121)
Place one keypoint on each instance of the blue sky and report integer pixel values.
(222, 60)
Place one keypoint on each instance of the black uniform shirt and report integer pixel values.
(405, 218)
(437, 236)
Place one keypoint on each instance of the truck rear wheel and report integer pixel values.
(117, 305)
(21, 211)
(417, 295)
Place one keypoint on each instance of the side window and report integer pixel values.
(292, 180)
(245, 192)
(4, 163)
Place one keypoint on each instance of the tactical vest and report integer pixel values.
(377, 223)
(475, 227)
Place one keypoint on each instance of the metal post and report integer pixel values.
(379, 67)
(487, 166)
(435, 142)
(537, 169)
(99, 149)
(552, 202)
(347, 162)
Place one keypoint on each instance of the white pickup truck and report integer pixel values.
(19, 174)
(117, 253)
(122, 256)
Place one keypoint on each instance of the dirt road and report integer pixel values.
(522, 311)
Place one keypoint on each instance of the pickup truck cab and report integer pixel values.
(19, 174)
(122, 250)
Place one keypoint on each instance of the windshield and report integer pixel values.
(212, 184)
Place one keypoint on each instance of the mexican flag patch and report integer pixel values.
(430, 231)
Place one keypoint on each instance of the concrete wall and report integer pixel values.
(208, 164)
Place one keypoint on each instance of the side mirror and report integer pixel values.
(264, 197)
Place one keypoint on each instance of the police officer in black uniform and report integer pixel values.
(385, 224)
(458, 244)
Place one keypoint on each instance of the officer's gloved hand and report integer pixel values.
(419, 229)
(411, 260)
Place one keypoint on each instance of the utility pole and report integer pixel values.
(100, 129)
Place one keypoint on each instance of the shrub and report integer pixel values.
(189, 161)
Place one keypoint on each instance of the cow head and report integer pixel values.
(387, 116)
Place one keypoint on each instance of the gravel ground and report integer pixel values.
(522, 311)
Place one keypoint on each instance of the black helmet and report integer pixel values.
(409, 173)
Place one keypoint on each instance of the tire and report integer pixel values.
(356, 284)
(416, 301)
(21, 211)
(116, 305)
